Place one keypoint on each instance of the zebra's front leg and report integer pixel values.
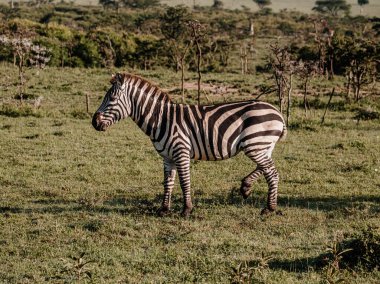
(183, 169)
(169, 177)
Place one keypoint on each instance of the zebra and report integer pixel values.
(181, 132)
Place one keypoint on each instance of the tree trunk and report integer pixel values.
(199, 71)
(349, 77)
(327, 106)
(305, 103)
(289, 99)
(182, 80)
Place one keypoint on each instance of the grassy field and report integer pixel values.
(78, 206)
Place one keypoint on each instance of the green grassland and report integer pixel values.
(68, 191)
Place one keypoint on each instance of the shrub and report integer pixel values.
(358, 251)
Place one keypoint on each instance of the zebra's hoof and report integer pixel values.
(245, 191)
(266, 211)
(163, 211)
(186, 212)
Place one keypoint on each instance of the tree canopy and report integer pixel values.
(363, 2)
(332, 7)
(262, 3)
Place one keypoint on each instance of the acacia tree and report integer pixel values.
(361, 4)
(218, 4)
(197, 35)
(141, 4)
(114, 4)
(25, 51)
(332, 7)
(262, 3)
(174, 27)
(283, 68)
(306, 70)
(323, 37)
(359, 56)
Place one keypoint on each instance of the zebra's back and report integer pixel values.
(218, 132)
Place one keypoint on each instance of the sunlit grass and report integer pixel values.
(66, 189)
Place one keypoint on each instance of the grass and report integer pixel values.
(78, 206)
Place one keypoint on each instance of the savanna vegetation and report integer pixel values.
(79, 206)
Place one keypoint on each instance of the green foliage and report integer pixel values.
(367, 114)
(173, 22)
(142, 4)
(218, 4)
(11, 110)
(357, 251)
(87, 51)
(332, 7)
(262, 3)
(363, 2)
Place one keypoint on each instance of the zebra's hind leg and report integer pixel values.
(265, 165)
(169, 177)
(272, 178)
(246, 183)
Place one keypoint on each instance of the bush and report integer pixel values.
(366, 114)
(359, 251)
(364, 250)
(14, 111)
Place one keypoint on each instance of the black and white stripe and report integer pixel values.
(183, 132)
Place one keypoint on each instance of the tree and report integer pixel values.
(25, 51)
(174, 27)
(262, 3)
(359, 56)
(218, 4)
(283, 68)
(197, 34)
(114, 4)
(332, 7)
(141, 4)
(363, 2)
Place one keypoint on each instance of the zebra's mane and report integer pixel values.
(162, 96)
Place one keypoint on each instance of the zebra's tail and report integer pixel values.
(284, 133)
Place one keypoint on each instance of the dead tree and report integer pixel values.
(306, 70)
(198, 32)
(323, 36)
(283, 68)
(25, 52)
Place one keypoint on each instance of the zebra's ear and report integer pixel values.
(118, 79)
(113, 79)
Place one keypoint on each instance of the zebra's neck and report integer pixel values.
(149, 106)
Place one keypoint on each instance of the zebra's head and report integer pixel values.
(112, 109)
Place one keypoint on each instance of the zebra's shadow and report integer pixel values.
(142, 205)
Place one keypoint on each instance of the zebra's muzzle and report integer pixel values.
(98, 123)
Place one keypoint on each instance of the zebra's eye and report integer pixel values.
(114, 96)
(114, 93)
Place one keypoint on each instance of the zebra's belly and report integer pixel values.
(213, 156)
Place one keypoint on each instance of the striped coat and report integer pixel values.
(181, 132)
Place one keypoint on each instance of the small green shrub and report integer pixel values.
(366, 114)
(18, 111)
(80, 114)
(364, 250)
(358, 251)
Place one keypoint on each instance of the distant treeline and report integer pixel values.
(95, 37)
